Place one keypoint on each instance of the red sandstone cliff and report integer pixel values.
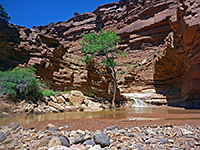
(160, 38)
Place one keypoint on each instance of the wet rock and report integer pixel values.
(14, 125)
(64, 141)
(89, 142)
(2, 136)
(102, 140)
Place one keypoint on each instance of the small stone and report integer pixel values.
(66, 96)
(197, 143)
(112, 127)
(60, 99)
(98, 132)
(53, 99)
(30, 128)
(79, 140)
(102, 140)
(50, 125)
(89, 142)
(59, 147)
(107, 148)
(72, 140)
(14, 125)
(168, 125)
(2, 136)
(96, 147)
(171, 141)
(53, 129)
(80, 131)
(122, 131)
(186, 132)
(54, 142)
(119, 145)
(64, 141)
(87, 137)
(124, 148)
(164, 141)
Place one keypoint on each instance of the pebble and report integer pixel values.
(53, 129)
(112, 138)
(64, 141)
(96, 147)
(89, 142)
(14, 125)
(102, 140)
(2, 136)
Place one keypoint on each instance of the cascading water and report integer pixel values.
(138, 103)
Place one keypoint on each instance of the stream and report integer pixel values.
(137, 113)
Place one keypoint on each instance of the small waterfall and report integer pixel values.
(138, 103)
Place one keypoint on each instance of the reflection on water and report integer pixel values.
(108, 114)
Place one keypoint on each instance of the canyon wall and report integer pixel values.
(160, 39)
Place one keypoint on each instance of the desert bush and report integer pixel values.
(19, 83)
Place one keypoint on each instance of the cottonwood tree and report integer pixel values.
(103, 46)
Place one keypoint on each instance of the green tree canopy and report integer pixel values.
(4, 14)
(103, 46)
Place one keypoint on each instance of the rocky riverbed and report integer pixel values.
(165, 136)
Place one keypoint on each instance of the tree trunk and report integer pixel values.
(115, 87)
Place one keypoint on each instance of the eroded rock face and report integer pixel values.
(160, 38)
(179, 66)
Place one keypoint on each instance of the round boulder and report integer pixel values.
(76, 97)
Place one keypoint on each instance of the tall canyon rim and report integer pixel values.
(160, 38)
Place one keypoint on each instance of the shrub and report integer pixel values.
(20, 82)
(71, 103)
(51, 23)
(48, 93)
(91, 94)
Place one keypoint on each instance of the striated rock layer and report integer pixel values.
(161, 40)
